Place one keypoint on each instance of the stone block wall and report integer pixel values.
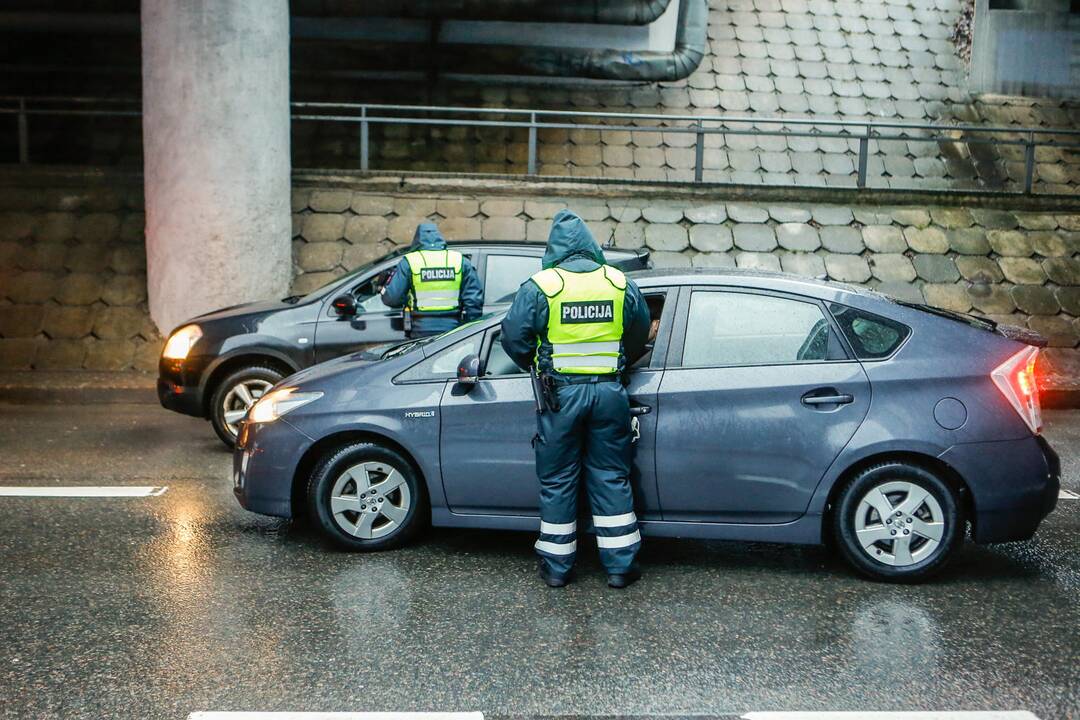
(1021, 268)
(73, 279)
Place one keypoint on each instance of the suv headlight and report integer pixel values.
(279, 402)
(180, 342)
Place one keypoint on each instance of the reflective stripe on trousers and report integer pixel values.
(554, 548)
(626, 523)
(618, 541)
(557, 538)
(614, 521)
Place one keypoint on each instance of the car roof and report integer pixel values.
(531, 245)
(751, 278)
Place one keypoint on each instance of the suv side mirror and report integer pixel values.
(468, 371)
(344, 305)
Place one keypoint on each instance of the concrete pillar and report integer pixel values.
(216, 146)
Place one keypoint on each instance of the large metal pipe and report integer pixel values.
(629, 52)
(611, 64)
(629, 62)
(608, 12)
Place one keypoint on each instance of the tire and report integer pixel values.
(364, 517)
(930, 528)
(257, 379)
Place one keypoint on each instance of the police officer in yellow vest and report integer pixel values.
(579, 323)
(439, 287)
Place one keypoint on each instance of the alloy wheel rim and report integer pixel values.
(899, 523)
(239, 400)
(370, 500)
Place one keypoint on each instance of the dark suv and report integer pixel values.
(216, 365)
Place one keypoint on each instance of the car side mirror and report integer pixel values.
(468, 371)
(344, 305)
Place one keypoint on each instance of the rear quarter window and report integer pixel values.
(872, 337)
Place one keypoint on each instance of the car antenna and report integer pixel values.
(611, 238)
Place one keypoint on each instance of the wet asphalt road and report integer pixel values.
(156, 607)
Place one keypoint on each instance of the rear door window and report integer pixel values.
(872, 337)
(505, 273)
(733, 328)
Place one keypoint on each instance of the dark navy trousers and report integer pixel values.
(588, 439)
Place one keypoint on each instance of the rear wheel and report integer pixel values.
(235, 395)
(367, 497)
(897, 522)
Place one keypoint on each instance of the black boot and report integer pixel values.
(622, 580)
(552, 579)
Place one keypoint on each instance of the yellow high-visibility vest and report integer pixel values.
(585, 318)
(436, 280)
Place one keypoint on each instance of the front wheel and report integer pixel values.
(367, 497)
(235, 395)
(897, 522)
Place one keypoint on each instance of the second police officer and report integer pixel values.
(438, 287)
(581, 322)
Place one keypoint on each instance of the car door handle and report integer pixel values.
(827, 399)
(638, 410)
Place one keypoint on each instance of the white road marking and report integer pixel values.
(1068, 495)
(861, 715)
(82, 491)
(211, 715)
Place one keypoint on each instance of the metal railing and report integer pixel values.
(864, 132)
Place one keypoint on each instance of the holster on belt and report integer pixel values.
(547, 398)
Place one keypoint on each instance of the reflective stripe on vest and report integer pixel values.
(585, 319)
(436, 280)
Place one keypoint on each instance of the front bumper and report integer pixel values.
(264, 463)
(179, 385)
(178, 398)
(1014, 485)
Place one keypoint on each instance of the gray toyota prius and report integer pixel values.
(770, 408)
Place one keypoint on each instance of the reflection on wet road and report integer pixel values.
(154, 607)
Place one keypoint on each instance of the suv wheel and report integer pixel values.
(235, 395)
(367, 497)
(897, 522)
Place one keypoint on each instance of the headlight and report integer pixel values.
(180, 342)
(273, 405)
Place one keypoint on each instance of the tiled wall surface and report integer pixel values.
(73, 281)
(1017, 267)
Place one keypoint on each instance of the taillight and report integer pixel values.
(1015, 378)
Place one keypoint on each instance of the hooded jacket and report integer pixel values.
(397, 291)
(570, 247)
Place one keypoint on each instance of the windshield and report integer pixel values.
(410, 345)
(353, 273)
